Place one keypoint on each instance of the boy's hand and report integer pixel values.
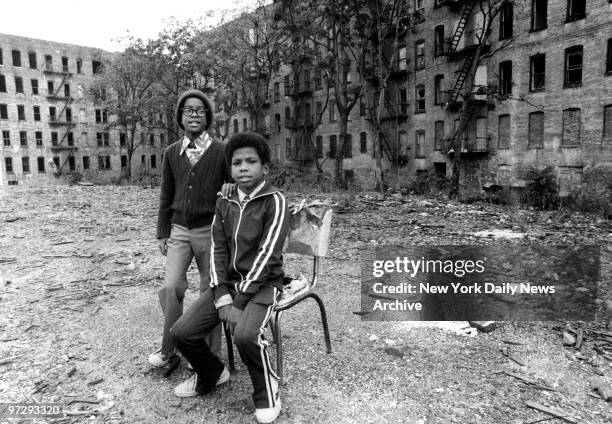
(224, 312)
(228, 189)
(232, 320)
(163, 245)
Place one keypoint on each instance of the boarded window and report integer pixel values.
(536, 129)
(504, 174)
(503, 138)
(439, 135)
(570, 180)
(439, 97)
(537, 72)
(607, 124)
(571, 127)
(481, 135)
(419, 148)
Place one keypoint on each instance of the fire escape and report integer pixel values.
(62, 121)
(301, 123)
(459, 140)
(394, 111)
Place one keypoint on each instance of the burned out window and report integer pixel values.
(18, 85)
(504, 132)
(439, 40)
(571, 127)
(3, 111)
(96, 66)
(609, 57)
(439, 97)
(536, 130)
(85, 162)
(48, 62)
(153, 161)
(576, 9)
(506, 21)
(333, 146)
(439, 135)
(16, 57)
(41, 164)
(403, 101)
(348, 146)
(64, 64)
(21, 113)
(537, 72)
(363, 142)
(573, 67)
(32, 60)
(539, 14)
(70, 138)
(50, 89)
(2, 84)
(505, 77)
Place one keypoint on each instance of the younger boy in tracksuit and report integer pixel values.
(248, 234)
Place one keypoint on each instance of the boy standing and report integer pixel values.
(249, 231)
(193, 171)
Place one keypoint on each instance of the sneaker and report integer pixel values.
(268, 415)
(158, 359)
(188, 387)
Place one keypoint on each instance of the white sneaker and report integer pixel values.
(188, 387)
(158, 359)
(268, 415)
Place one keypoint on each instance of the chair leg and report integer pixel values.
(230, 349)
(279, 345)
(323, 321)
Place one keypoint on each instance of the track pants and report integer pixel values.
(189, 333)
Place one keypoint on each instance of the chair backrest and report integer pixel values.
(309, 231)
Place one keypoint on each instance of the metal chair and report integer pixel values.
(275, 323)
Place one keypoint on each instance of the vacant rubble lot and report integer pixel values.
(80, 270)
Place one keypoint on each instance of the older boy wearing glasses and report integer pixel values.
(193, 171)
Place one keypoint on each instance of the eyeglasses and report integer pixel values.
(187, 111)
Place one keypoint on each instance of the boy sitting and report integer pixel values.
(248, 234)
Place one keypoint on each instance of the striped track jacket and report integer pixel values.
(247, 243)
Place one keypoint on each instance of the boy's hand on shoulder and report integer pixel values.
(163, 245)
(232, 320)
(228, 189)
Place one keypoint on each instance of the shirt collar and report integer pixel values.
(242, 194)
(202, 142)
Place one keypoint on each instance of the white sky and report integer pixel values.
(96, 24)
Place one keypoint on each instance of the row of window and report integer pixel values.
(65, 114)
(96, 65)
(291, 148)
(51, 88)
(575, 10)
(102, 138)
(104, 163)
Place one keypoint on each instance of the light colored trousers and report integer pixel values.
(183, 245)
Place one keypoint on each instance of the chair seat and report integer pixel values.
(292, 291)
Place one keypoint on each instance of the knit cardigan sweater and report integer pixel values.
(189, 193)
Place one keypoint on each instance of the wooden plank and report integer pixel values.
(551, 411)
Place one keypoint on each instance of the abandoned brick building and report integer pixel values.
(52, 123)
(543, 99)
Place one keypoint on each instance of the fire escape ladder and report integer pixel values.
(61, 84)
(66, 160)
(461, 26)
(457, 140)
(460, 80)
(386, 147)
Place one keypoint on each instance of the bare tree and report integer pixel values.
(132, 96)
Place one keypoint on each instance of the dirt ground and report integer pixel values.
(80, 270)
